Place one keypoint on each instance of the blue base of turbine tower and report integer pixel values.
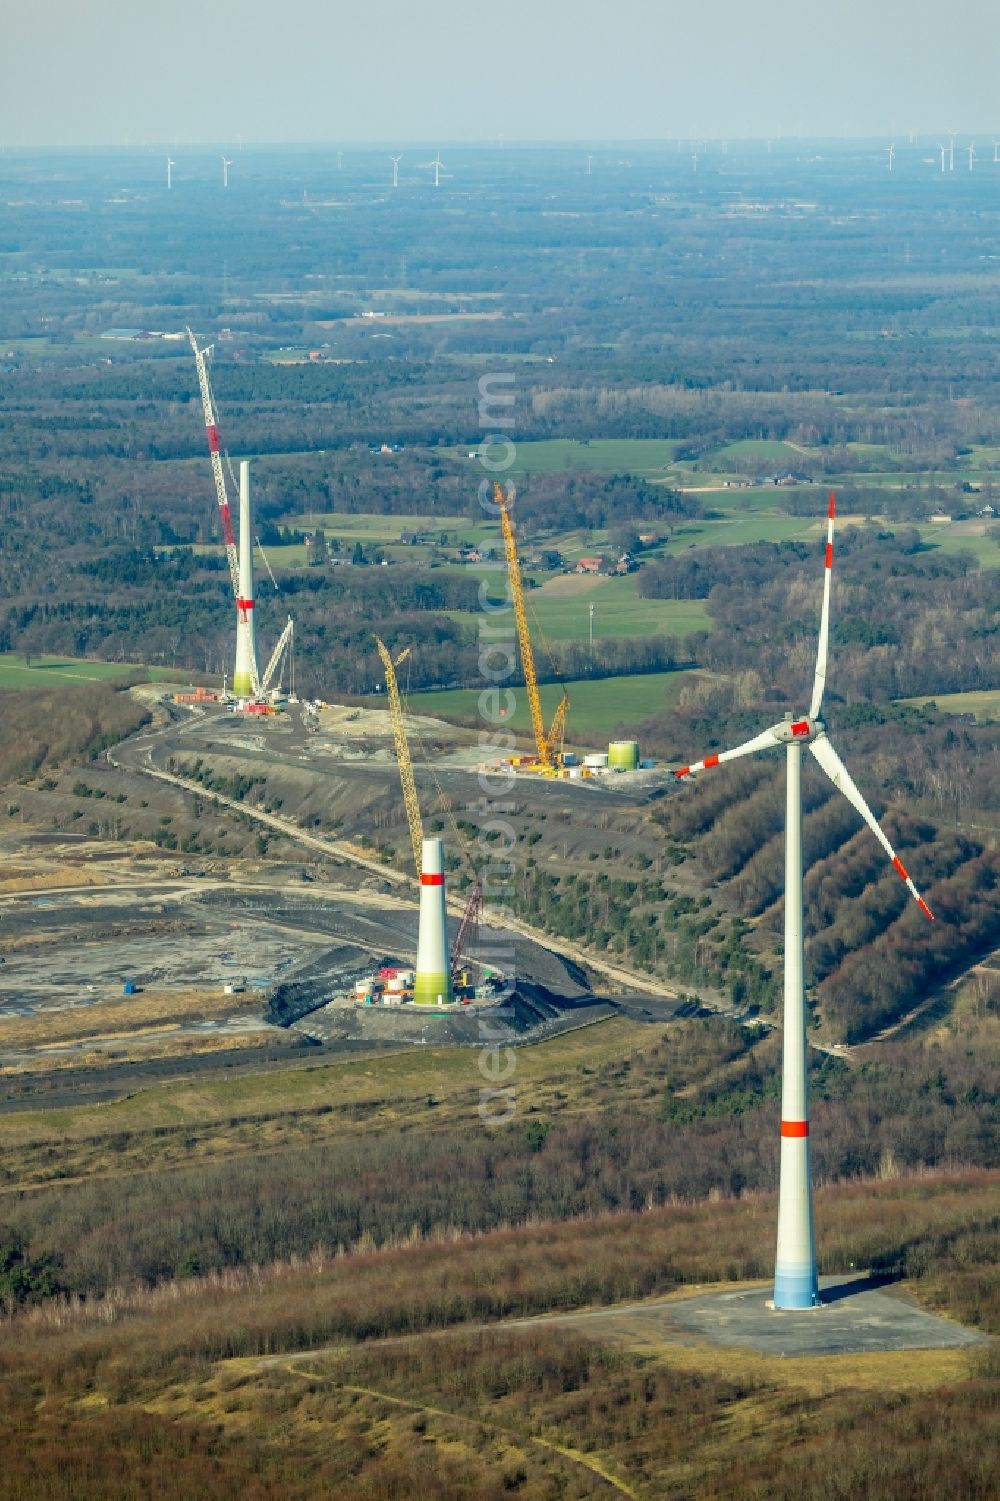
(795, 1287)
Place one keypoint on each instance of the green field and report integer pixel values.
(45, 672)
(710, 490)
(598, 707)
(736, 530)
(561, 608)
(369, 526)
(986, 550)
(600, 456)
(760, 448)
(984, 705)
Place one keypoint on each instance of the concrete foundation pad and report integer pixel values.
(855, 1315)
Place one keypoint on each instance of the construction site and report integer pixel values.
(335, 941)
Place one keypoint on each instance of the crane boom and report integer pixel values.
(212, 429)
(283, 640)
(403, 750)
(473, 912)
(521, 618)
(548, 744)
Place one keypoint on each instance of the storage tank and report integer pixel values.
(597, 762)
(623, 755)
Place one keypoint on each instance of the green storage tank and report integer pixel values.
(623, 755)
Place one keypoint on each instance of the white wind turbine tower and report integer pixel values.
(590, 163)
(795, 1282)
(171, 164)
(951, 150)
(226, 164)
(942, 150)
(891, 152)
(972, 153)
(395, 169)
(996, 147)
(437, 164)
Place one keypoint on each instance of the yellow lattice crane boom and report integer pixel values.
(548, 744)
(402, 749)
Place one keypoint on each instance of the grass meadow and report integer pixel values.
(605, 705)
(45, 672)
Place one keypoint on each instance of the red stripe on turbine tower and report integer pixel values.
(831, 509)
(432, 880)
(213, 438)
(244, 604)
(795, 1128)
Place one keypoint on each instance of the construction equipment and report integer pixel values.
(218, 474)
(473, 912)
(548, 746)
(284, 640)
(403, 750)
(240, 569)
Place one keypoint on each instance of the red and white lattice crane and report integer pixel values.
(243, 606)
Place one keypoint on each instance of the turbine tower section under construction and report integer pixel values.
(432, 982)
(244, 674)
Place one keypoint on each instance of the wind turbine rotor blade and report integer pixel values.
(759, 742)
(844, 782)
(822, 651)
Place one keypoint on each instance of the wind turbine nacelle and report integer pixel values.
(790, 731)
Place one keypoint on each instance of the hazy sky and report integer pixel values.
(79, 72)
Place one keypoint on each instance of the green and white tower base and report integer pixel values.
(432, 983)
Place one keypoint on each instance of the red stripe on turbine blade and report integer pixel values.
(925, 909)
(683, 771)
(831, 509)
(710, 761)
(829, 555)
(213, 438)
(900, 868)
(795, 1128)
(432, 880)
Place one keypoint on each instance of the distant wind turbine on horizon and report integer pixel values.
(395, 169)
(171, 164)
(226, 164)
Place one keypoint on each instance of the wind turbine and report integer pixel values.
(171, 164)
(951, 150)
(795, 1283)
(437, 164)
(891, 152)
(395, 169)
(972, 153)
(590, 162)
(942, 150)
(996, 158)
(226, 164)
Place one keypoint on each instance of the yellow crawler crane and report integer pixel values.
(548, 745)
(403, 750)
